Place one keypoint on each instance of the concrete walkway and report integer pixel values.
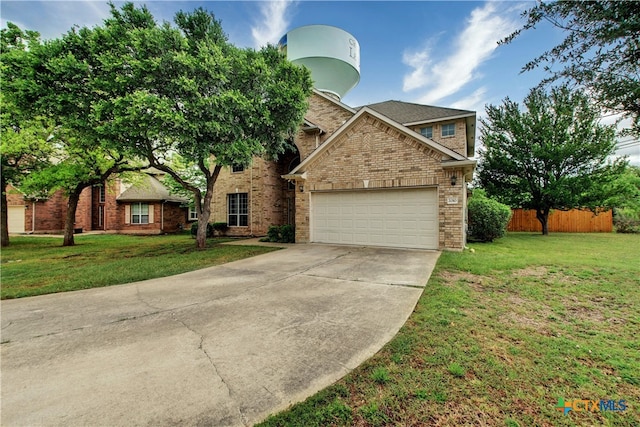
(222, 346)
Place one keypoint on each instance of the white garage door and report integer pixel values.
(396, 218)
(15, 219)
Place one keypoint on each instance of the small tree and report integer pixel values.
(599, 53)
(553, 155)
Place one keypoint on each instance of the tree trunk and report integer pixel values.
(543, 217)
(4, 224)
(204, 209)
(69, 222)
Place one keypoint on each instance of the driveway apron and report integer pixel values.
(222, 346)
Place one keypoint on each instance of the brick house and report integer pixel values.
(386, 174)
(145, 207)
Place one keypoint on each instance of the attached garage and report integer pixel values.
(405, 218)
(15, 219)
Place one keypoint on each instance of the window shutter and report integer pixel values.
(151, 209)
(127, 214)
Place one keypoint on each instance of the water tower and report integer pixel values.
(331, 54)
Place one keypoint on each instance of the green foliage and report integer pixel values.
(626, 220)
(488, 218)
(281, 234)
(220, 227)
(176, 96)
(194, 230)
(599, 53)
(553, 155)
(624, 191)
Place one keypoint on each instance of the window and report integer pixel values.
(103, 194)
(139, 213)
(237, 168)
(193, 214)
(449, 130)
(427, 132)
(238, 209)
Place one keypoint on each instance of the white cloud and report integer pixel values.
(470, 49)
(274, 22)
(54, 18)
(474, 102)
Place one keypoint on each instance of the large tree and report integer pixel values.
(53, 81)
(24, 149)
(552, 155)
(160, 90)
(25, 138)
(600, 53)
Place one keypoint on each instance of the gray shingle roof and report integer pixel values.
(148, 189)
(406, 112)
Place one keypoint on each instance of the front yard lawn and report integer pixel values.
(499, 336)
(40, 265)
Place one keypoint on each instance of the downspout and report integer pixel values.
(162, 216)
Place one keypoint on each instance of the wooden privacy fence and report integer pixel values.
(573, 221)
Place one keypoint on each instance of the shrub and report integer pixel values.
(220, 227)
(281, 234)
(626, 221)
(194, 230)
(488, 219)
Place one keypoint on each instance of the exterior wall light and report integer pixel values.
(301, 188)
(454, 179)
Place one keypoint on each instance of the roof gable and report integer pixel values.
(364, 112)
(148, 189)
(408, 113)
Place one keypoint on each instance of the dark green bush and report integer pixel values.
(281, 234)
(488, 219)
(220, 227)
(194, 230)
(626, 221)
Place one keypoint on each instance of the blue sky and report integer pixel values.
(430, 52)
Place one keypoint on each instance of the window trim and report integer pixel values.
(430, 131)
(240, 215)
(451, 126)
(193, 213)
(141, 214)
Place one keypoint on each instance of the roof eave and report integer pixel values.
(441, 119)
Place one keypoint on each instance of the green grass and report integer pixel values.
(40, 265)
(499, 335)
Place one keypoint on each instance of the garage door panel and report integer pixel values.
(397, 218)
(15, 219)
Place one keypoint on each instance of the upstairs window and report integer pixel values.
(449, 130)
(237, 168)
(238, 210)
(427, 132)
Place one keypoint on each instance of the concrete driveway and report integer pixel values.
(222, 346)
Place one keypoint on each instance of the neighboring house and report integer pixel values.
(145, 207)
(387, 174)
